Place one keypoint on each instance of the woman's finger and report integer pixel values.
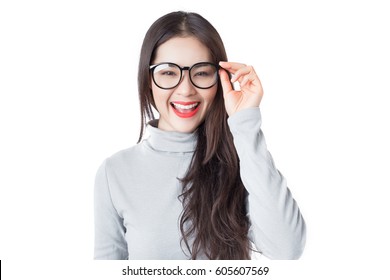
(232, 67)
(238, 70)
(247, 74)
(225, 81)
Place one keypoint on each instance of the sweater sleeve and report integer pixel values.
(110, 243)
(277, 227)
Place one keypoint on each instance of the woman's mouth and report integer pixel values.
(185, 109)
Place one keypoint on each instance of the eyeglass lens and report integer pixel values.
(202, 75)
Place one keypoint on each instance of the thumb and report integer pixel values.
(225, 81)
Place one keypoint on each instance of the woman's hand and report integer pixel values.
(250, 93)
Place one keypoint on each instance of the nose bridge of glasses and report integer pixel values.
(182, 69)
(184, 76)
(188, 68)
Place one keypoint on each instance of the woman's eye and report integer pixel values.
(169, 73)
(202, 74)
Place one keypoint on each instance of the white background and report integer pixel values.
(68, 73)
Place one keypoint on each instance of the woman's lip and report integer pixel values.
(185, 113)
(185, 102)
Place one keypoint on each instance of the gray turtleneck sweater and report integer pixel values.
(137, 208)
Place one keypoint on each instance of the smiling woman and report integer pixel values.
(202, 185)
(179, 99)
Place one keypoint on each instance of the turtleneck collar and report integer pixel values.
(170, 141)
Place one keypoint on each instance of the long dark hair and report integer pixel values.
(213, 197)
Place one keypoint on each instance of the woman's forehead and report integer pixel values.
(184, 51)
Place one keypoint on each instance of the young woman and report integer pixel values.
(202, 185)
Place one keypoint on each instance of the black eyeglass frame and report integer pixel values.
(189, 68)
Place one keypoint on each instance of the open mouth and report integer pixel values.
(185, 109)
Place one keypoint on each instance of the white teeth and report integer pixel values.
(185, 107)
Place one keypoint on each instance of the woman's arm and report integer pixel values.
(277, 227)
(110, 243)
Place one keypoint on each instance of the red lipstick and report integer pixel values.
(185, 109)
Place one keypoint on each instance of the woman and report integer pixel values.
(202, 185)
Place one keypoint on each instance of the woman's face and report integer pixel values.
(184, 107)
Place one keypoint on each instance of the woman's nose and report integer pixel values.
(185, 86)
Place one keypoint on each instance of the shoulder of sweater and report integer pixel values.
(124, 155)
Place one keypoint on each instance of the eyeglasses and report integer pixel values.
(168, 75)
